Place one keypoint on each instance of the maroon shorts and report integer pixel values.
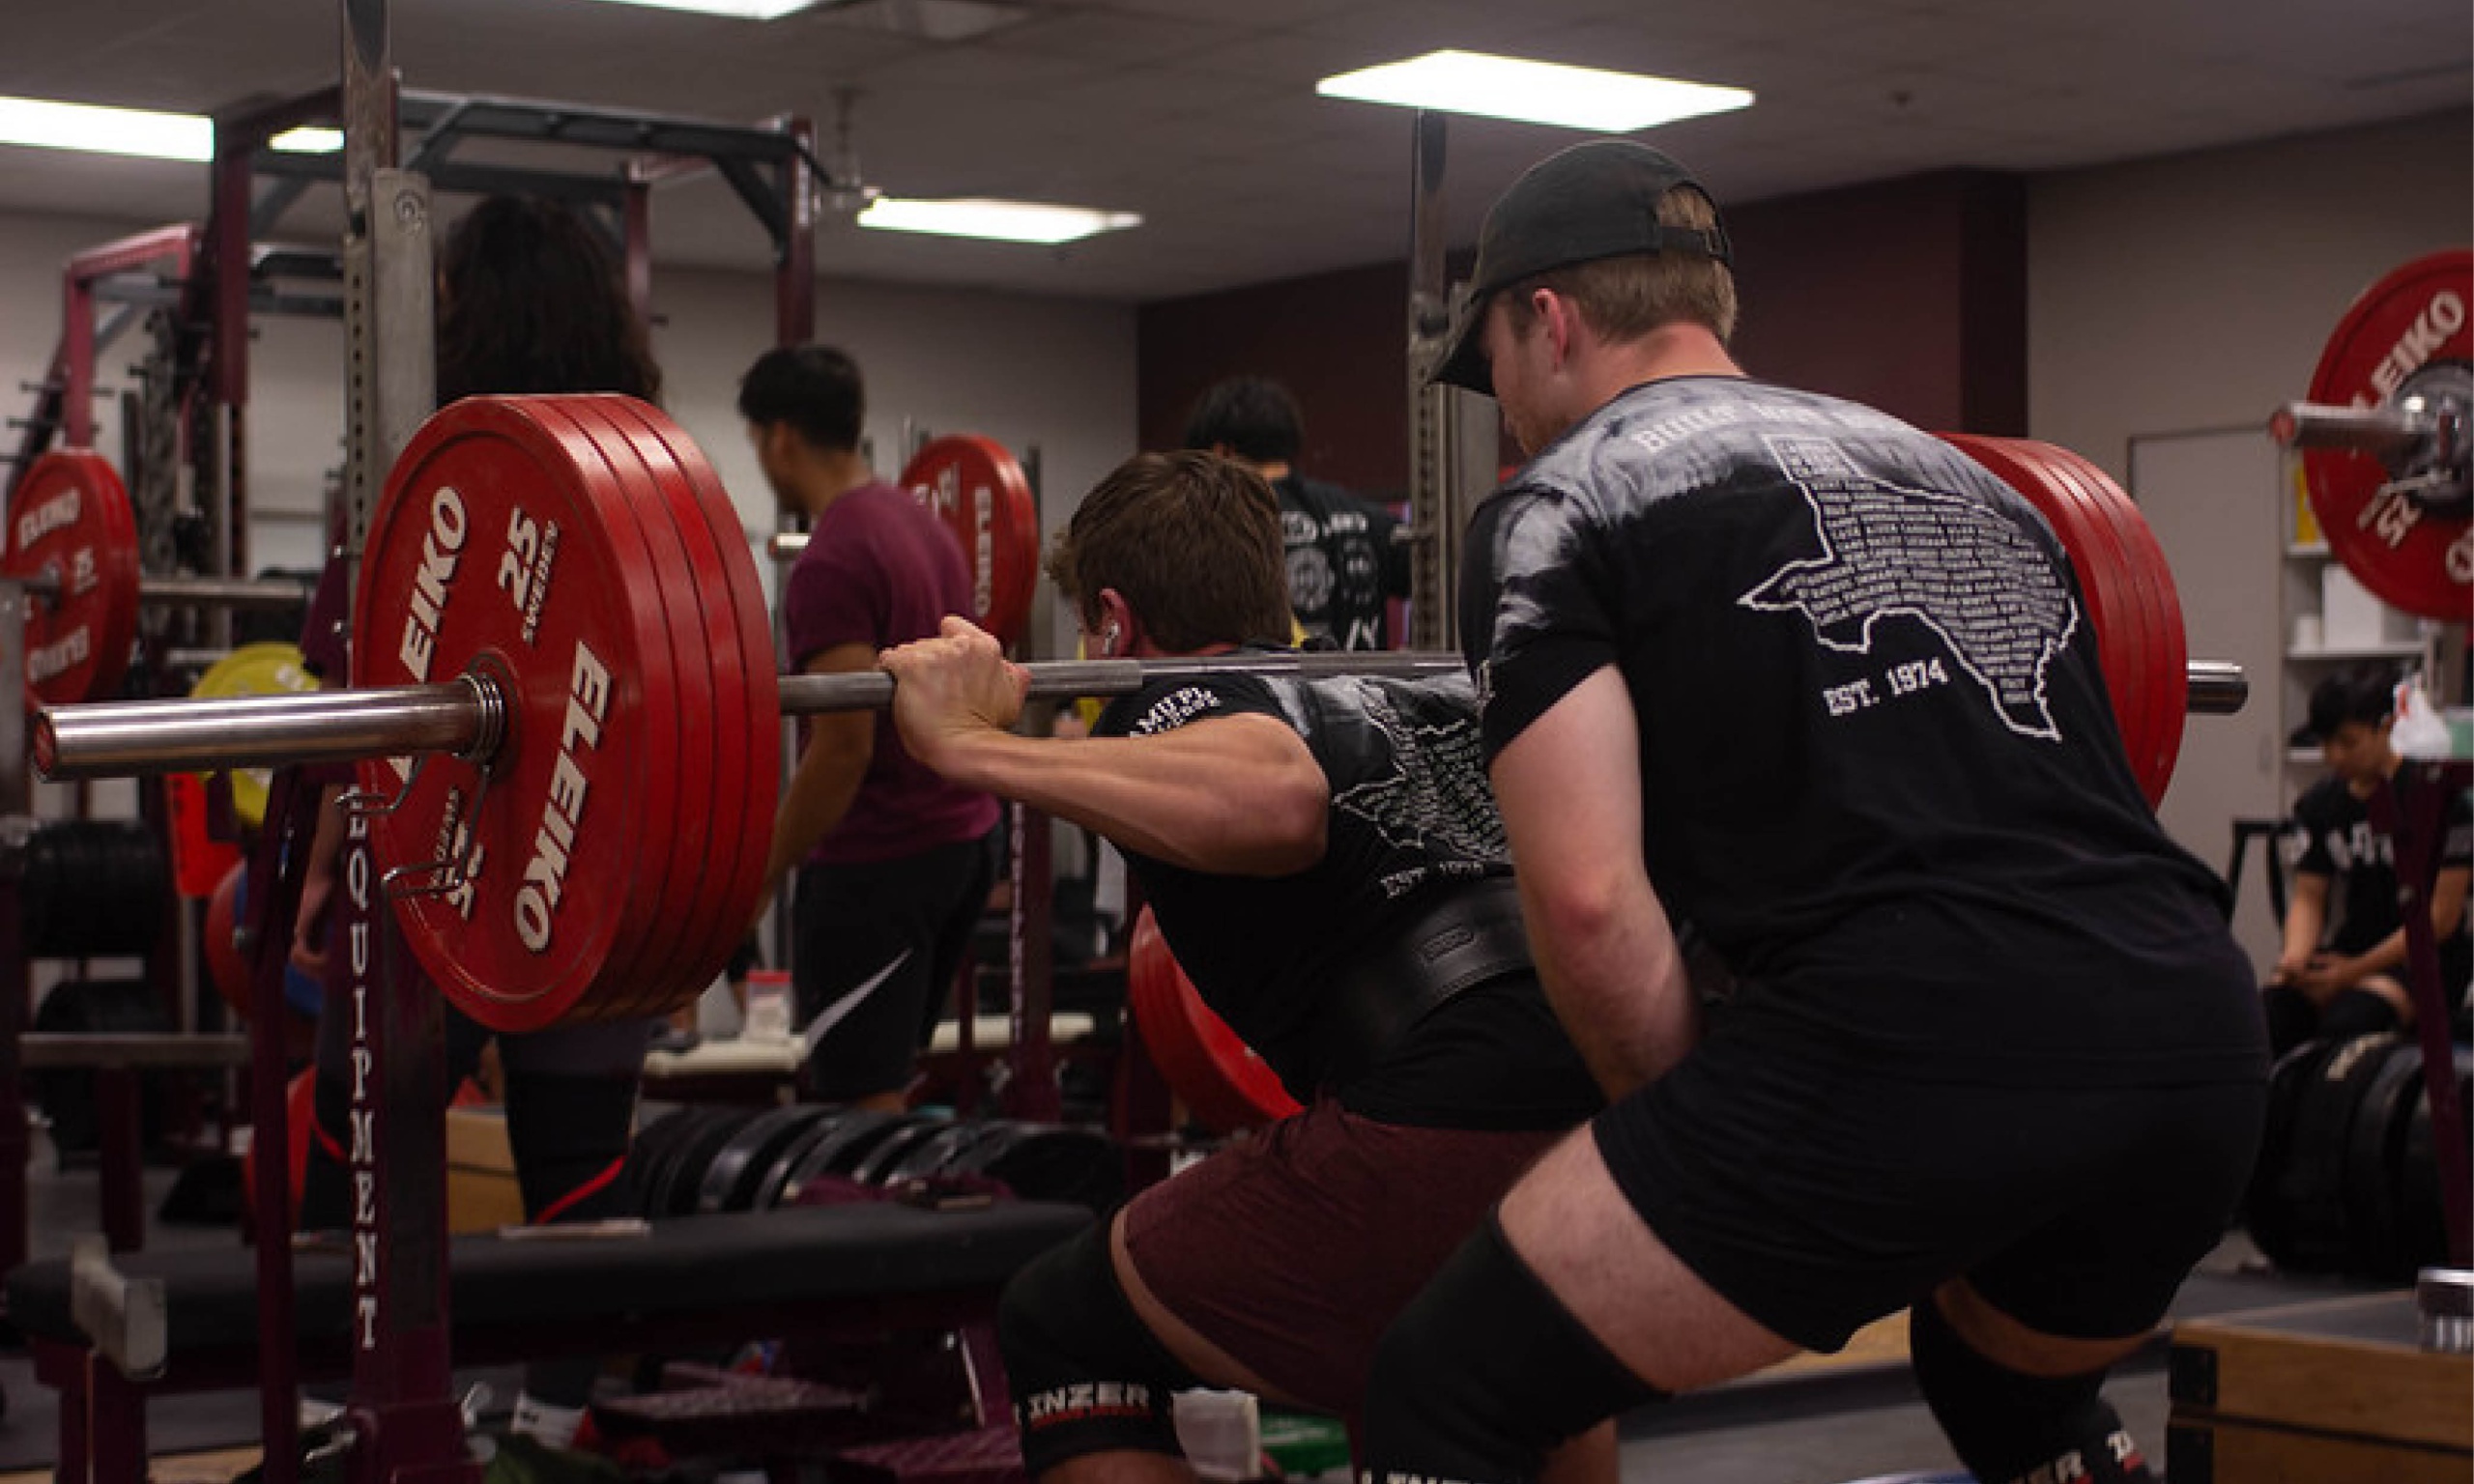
(1293, 1251)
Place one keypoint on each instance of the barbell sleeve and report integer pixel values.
(2382, 431)
(119, 739)
(2218, 687)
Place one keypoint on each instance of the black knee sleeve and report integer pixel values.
(569, 1136)
(2010, 1428)
(1484, 1373)
(326, 1191)
(2352, 1013)
(1087, 1375)
(2292, 1018)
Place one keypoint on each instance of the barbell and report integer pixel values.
(563, 698)
(2387, 437)
(72, 549)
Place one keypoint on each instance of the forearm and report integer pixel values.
(820, 795)
(2303, 920)
(1617, 982)
(1206, 798)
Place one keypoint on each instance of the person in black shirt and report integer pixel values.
(1345, 556)
(1325, 860)
(1815, 682)
(2343, 977)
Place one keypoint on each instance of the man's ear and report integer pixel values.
(1120, 631)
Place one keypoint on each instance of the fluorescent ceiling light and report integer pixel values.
(50, 125)
(308, 139)
(1533, 92)
(1004, 221)
(743, 10)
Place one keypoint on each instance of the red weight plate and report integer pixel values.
(227, 969)
(741, 855)
(979, 492)
(649, 967)
(2136, 615)
(2168, 675)
(1219, 1077)
(2411, 322)
(71, 519)
(637, 979)
(724, 712)
(2122, 642)
(502, 541)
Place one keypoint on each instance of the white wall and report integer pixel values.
(2190, 295)
(1052, 373)
(1048, 373)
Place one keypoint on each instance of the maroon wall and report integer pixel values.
(1910, 294)
(1338, 341)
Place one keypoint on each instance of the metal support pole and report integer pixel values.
(2416, 841)
(403, 1413)
(1436, 539)
(794, 270)
(16, 981)
(1032, 1090)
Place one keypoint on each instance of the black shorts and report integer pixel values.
(1816, 1193)
(874, 948)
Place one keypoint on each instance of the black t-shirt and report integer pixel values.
(1878, 767)
(2332, 837)
(1411, 818)
(1342, 563)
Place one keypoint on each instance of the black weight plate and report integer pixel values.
(656, 1150)
(2371, 1163)
(849, 1135)
(677, 1197)
(730, 1181)
(936, 1154)
(661, 1179)
(2310, 1188)
(776, 1178)
(1053, 1163)
(2263, 1210)
(872, 1168)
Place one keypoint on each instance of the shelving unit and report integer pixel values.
(2306, 559)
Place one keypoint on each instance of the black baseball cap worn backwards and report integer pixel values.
(1595, 200)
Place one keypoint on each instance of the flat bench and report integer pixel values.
(116, 1057)
(695, 1281)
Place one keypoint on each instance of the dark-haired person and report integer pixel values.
(1325, 860)
(1343, 563)
(2341, 976)
(894, 863)
(1992, 1055)
(528, 302)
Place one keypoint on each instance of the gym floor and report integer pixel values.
(1825, 1424)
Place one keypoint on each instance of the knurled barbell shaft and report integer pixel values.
(270, 594)
(787, 545)
(119, 739)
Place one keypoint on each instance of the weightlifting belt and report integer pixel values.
(1471, 937)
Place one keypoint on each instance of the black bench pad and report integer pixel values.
(781, 1258)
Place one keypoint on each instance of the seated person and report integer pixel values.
(1326, 862)
(2346, 978)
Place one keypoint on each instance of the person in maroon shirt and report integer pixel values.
(894, 863)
